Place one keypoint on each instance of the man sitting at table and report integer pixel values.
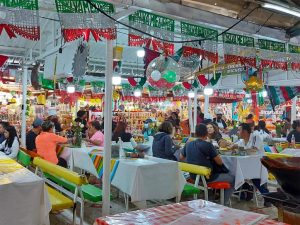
(250, 141)
(202, 153)
(33, 133)
(46, 144)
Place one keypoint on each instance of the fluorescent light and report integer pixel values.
(140, 53)
(116, 80)
(71, 88)
(281, 9)
(191, 94)
(208, 91)
(137, 93)
(264, 93)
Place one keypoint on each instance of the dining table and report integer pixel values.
(149, 178)
(24, 199)
(291, 151)
(196, 212)
(245, 168)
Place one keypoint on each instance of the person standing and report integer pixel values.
(33, 133)
(219, 120)
(286, 127)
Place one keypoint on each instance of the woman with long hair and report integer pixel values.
(11, 145)
(120, 131)
(215, 135)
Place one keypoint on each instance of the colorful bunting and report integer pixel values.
(203, 80)
(213, 81)
(280, 94)
(80, 19)
(20, 17)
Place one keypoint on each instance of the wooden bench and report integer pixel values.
(60, 197)
(204, 173)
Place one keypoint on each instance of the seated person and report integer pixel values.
(295, 132)
(163, 145)
(202, 153)
(33, 133)
(11, 145)
(3, 125)
(46, 143)
(264, 133)
(120, 132)
(249, 141)
(95, 136)
(215, 135)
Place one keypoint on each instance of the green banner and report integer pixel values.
(99, 84)
(236, 39)
(23, 4)
(81, 6)
(152, 20)
(198, 31)
(294, 49)
(271, 45)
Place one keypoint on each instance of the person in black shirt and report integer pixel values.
(295, 132)
(202, 153)
(3, 126)
(120, 131)
(33, 133)
(81, 118)
(174, 119)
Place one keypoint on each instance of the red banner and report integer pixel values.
(211, 56)
(73, 34)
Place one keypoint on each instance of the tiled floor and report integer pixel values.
(117, 206)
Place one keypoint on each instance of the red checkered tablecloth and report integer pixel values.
(192, 212)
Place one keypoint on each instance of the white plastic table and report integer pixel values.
(245, 168)
(149, 179)
(291, 151)
(24, 199)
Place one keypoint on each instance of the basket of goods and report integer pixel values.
(139, 139)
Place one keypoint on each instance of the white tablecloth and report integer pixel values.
(149, 179)
(80, 158)
(291, 151)
(24, 200)
(245, 168)
(283, 139)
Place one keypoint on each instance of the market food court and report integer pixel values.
(149, 112)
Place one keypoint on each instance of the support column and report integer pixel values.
(195, 110)
(206, 104)
(24, 96)
(190, 115)
(294, 110)
(107, 128)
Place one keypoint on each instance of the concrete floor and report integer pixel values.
(117, 206)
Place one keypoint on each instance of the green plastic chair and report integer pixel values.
(23, 158)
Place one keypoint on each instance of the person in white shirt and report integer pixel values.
(249, 141)
(263, 132)
(11, 145)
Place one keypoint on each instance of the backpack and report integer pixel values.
(246, 192)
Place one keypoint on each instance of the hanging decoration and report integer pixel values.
(254, 84)
(203, 80)
(189, 63)
(187, 85)
(214, 80)
(79, 19)
(159, 26)
(20, 17)
(169, 73)
(132, 81)
(80, 61)
(149, 56)
(3, 60)
(178, 90)
(207, 49)
(98, 87)
(294, 55)
(281, 94)
(272, 55)
(239, 49)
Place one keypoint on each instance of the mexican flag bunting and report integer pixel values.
(3, 59)
(294, 55)
(207, 49)
(272, 55)
(80, 19)
(159, 26)
(20, 17)
(239, 49)
(281, 94)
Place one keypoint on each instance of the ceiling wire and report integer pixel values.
(165, 40)
(264, 23)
